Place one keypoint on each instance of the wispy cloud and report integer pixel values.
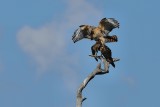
(43, 44)
(47, 45)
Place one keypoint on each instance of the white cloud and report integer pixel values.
(47, 44)
(44, 44)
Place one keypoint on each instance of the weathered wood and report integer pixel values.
(97, 71)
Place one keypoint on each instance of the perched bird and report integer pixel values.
(99, 33)
(105, 51)
(95, 48)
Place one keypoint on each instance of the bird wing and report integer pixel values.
(108, 24)
(83, 31)
(113, 38)
(106, 52)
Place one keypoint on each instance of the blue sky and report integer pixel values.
(40, 66)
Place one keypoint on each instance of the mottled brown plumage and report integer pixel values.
(105, 51)
(95, 48)
(113, 38)
(99, 33)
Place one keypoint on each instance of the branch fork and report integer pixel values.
(97, 71)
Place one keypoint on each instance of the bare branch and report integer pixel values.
(97, 71)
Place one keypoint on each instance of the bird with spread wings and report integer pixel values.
(101, 35)
(101, 32)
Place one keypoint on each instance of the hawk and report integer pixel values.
(99, 33)
(105, 51)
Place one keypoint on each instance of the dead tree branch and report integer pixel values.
(97, 71)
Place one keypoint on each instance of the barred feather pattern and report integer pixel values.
(77, 35)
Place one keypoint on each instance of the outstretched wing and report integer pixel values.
(83, 31)
(77, 35)
(106, 52)
(108, 24)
